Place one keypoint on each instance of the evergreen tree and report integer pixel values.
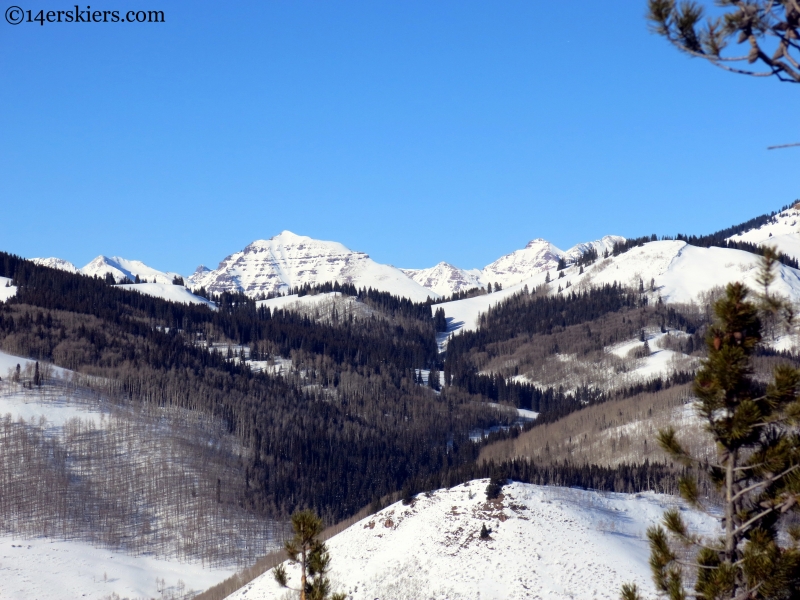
(763, 33)
(495, 488)
(757, 472)
(306, 549)
(433, 379)
(547, 277)
(36, 378)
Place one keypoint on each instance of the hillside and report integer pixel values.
(674, 271)
(555, 543)
(781, 231)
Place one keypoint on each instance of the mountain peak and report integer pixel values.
(289, 260)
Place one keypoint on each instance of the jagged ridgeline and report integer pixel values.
(346, 425)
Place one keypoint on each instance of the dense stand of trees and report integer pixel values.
(348, 423)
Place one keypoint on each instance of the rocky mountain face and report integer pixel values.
(288, 260)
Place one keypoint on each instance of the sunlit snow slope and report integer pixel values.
(783, 232)
(547, 543)
(167, 291)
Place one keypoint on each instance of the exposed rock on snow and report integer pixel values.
(289, 260)
(537, 257)
(445, 279)
(546, 542)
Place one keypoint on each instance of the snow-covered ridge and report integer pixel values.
(122, 268)
(783, 232)
(56, 263)
(546, 542)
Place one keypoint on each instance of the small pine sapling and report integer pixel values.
(306, 549)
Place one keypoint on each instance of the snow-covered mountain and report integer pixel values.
(538, 256)
(56, 263)
(122, 268)
(555, 543)
(672, 270)
(783, 232)
(289, 260)
(445, 279)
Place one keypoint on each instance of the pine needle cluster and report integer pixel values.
(756, 472)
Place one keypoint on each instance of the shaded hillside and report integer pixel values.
(348, 426)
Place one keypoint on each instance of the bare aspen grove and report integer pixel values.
(143, 480)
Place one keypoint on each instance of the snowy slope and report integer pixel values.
(121, 268)
(445, 279)
(167, 291)
(6, 289)
(56, 263)
(679, 272)
(605, 244)
(553, 543)
(783, 232)
(294, 301)
(289, 260)
(55, 569)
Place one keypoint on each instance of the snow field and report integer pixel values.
(47, 569)
(784, 233)
(6, 289)
(167, 291)
(546, 543)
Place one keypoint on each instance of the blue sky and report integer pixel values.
(415, 131)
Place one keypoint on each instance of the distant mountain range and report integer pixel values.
(288, 260)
